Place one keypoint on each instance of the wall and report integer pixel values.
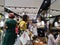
(23, 3)
(2, 2)
(55, 5)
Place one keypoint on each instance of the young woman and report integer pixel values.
(57, 25)
(40, 27)
(58, 39)
(23, 24)
(57, 22)
(51, 39)
(10, 35)
(23, 29)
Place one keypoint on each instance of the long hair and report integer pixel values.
(41, 18)
(56, 20)
(25, 18)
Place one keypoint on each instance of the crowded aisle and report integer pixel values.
(29, 22)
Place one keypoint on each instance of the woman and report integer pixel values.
(57, 26)
(10, 35)
(58, 39)
(51, 39)
(40, 27)
(23, 24)
(23, 27)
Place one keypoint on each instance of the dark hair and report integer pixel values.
(56, 20)
(17, 19)
(41, 18)
(25, 17)
(50, 31)
(11, 15)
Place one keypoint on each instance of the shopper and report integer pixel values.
(23, 29)
(40, 28)
(57, 22)
(57, 25)
(23, 24)
(32, 29)
(10, 35)
(58, 39)
(51, 39)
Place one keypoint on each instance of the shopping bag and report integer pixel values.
(24, 38)
(17, 41)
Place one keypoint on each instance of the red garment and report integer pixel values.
(16, 30)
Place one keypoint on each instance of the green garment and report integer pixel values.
(10, 35)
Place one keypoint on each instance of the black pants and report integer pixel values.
(41, 32)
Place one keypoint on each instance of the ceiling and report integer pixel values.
(28, 3)
(23, 3)
(34, 4)
(55, 6)
(2, 2)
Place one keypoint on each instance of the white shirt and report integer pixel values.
(40, 23)
(56, 24)
(51, 40)
(30, 27)
(35, 31)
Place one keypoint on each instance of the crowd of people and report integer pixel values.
(20, 32)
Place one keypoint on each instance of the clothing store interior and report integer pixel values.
(29, 22)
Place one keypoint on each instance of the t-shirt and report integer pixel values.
(24, 25)
(56, 24)
(40, 23)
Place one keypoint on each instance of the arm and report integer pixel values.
(53, 39)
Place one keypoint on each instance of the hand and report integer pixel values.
(17, 35)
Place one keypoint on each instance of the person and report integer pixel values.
(30, 25)
(57, 23)
(17, 27)
(32, 29)
(23, 24)
(51, 39)
(10, 35)
(40, 27)
(23, 29)
(58, 39)
(1, 35)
